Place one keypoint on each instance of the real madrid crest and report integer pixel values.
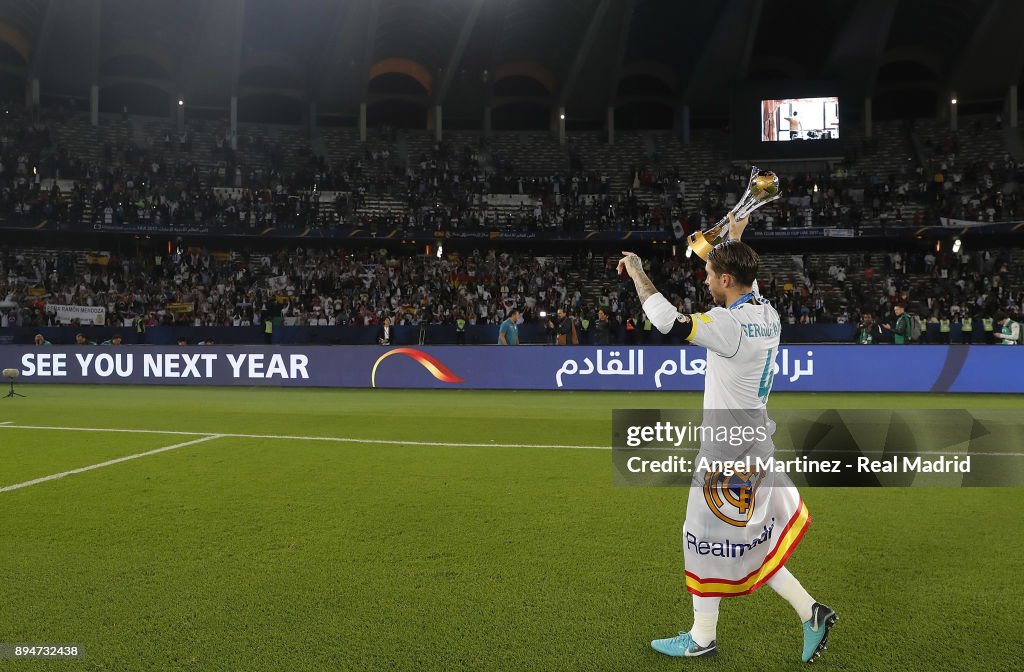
(732, 496)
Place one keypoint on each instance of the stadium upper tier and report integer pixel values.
(131, 171)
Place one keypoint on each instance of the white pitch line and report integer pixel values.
(53, 477)
(438, 444)
(336, 439)
(6, 422)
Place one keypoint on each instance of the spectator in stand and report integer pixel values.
(902, 331)
(602, 329)
(384, 333)
(565, 329)
(1010, 331)
(868, 333)
(508, 332)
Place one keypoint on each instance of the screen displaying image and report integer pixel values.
(800, 119)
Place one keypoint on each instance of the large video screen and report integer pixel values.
(789, 120)
(795, 119)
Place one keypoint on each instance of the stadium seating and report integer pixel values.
(512, 181)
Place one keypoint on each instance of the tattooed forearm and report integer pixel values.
(644, 287)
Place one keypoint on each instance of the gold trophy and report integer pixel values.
(763, 188)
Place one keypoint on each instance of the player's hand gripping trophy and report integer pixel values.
(762, 188)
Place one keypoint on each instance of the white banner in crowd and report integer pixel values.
(960, 223)
(84, 314)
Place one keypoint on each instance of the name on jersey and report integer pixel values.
(754, 330)
(728, 549)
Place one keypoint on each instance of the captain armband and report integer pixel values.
(682, 326)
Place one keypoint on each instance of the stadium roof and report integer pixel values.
(464, 54)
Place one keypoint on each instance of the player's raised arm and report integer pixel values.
(737, 226)
(736, 229)
(663, 315)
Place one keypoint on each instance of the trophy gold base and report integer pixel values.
(700, 245)
(762, 188)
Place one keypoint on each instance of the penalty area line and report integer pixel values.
(118, 460)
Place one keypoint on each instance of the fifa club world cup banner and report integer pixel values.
(798, 368)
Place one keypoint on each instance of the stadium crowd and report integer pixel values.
(161, 182)
(338, 287)
(302, 286)
(164, 180)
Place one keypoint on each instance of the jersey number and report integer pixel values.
(767, 377)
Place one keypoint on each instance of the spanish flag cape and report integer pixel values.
(741, 525)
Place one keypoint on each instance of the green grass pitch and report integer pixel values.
(243, 553)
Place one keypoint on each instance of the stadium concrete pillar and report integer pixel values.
(234, 122)
(487, 120)
(311, 120)
(867, 117)
(561, 125)
(952, 112)
(681, 122)
(611, 125)
(362, 122)
(94, 104)
(33, 93)
(1013, 106)
(438, 131)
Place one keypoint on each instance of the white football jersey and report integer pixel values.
(742, 343)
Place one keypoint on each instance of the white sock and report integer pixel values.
(786, 585)
(705, 619)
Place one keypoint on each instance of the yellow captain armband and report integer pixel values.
(684, 325)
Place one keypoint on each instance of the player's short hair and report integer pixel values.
(737, 259)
